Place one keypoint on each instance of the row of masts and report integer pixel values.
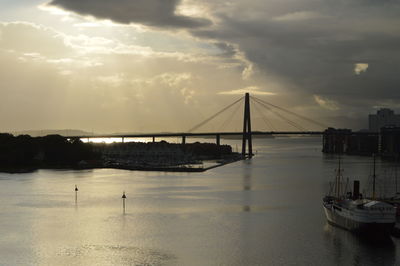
(339, 177)
(338, 190)
(338, 181)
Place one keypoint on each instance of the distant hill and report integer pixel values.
(45, 132)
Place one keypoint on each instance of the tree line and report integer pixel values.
(52, 151)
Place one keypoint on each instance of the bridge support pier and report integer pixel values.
(247, 138)
(154, 139)
(183, 140)
(218, 139)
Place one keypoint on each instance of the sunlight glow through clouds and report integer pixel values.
(193, 9)
(177, 55)
(252, 90)
(53, 10)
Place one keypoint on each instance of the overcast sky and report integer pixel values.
(165, 65)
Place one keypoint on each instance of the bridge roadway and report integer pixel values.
(204, 134)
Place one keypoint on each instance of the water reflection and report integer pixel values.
(113, 255)
(266, 211)
(247, 182)
(246, 208)
(351, 249)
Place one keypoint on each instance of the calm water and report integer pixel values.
(266, 211)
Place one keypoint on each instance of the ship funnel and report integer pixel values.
(356, 189)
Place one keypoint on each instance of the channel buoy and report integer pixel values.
(123, 200)
(76, 194)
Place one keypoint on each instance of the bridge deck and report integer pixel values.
(150, 135)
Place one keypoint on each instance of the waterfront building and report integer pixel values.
(335, 140)
(384, 117)
(345, 141)
(390, 142)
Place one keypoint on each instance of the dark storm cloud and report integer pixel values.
(315, 45)
(312, 46)
(157, 13)
(228, 50)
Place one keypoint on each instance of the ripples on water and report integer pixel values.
(114, 255)
(261, 212)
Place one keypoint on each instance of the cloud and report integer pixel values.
(321, 58)
(156, 13)
(309, 47)
(326, 103)
(53, 80)
(299, 15)
(360, 67)
(27, 38)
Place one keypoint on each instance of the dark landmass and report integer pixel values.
(46, 132)
(24, 153)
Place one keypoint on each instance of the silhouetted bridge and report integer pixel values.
(246, 134)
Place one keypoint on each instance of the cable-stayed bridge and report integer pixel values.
(260, 106)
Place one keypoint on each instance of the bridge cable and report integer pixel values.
(290, 122)
(287, 120)
(267, 122)
(214, 115)
(229, 119)
(292, 113)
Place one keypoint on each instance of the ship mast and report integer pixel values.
(373, 180)
(395, 173)
(339, 172)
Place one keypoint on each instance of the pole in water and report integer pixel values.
(123, 200)
(76, 194)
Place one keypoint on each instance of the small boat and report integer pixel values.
(349, 210)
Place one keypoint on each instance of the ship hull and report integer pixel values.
(359, 227)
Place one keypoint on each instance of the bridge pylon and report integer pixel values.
(247, 128)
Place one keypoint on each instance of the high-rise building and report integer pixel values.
(385, 117)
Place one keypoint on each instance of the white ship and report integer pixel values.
(349, 210)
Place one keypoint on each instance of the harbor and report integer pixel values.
(189, 132)
(245, 213)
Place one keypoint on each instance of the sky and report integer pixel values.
(165, 65)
